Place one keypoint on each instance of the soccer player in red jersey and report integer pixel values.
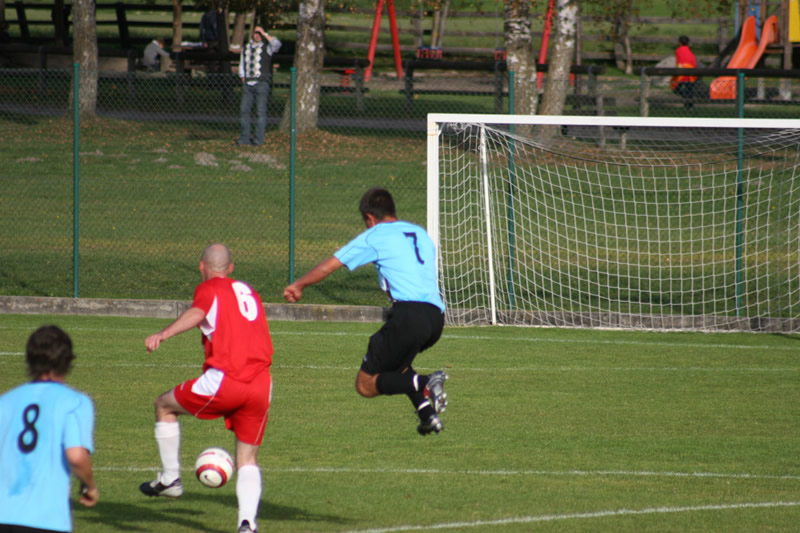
(235, 383)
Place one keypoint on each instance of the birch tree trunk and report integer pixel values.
(85, 54)
(308, 57)
(520, 58)
(558, 81)
(442, 23)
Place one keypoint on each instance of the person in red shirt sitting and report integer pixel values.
(685, 86)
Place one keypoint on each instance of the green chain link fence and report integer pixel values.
(160, 177)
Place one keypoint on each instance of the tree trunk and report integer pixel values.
(308, 57)
(418, 17)
(177, 25)
(223, 44)
(519, 55)
(558, 80)
(564, 32)
(85, 54)
(622, 23)
(435, 27)
(628, 55)
(442, 23)
(239, 23)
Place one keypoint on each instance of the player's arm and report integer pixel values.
(189, 319)
(294, 292)
(80, 463)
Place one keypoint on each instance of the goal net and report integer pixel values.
(618, 222)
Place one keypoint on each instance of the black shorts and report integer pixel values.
(410, 328)
(9, 528)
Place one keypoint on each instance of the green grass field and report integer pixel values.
(547, 430)
(148, 204)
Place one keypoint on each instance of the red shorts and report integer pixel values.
(245, 406)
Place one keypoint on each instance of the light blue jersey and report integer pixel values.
(38, 422)
(405, 257)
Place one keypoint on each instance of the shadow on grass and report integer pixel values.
(790, 336)
(117, 516)
(187, 512)
(24, 120)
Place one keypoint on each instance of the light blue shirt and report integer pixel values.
(405, 257)
(38, 422)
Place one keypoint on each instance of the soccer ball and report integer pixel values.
(214, 467)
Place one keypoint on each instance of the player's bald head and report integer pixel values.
(217, 258)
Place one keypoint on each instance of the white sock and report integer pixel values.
(248, 492)
(168, 437)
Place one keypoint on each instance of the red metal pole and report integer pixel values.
(373, 40)
(398, 64)
(548, 25)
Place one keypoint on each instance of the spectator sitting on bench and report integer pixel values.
(153, 53)
(685, 86)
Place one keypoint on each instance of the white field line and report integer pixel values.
(527, 519)
(524, 339)
(568, 369)
(439, 472)
(579, 516)
(348, 368)
(345, 368)
(535, 340)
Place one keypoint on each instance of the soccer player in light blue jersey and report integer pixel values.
(405, 258)
(45, 436)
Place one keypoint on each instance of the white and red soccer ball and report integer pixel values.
(214, 467)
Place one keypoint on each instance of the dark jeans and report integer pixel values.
(257, 94)
(688, 90)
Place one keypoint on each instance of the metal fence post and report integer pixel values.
(292, 168)
(76, 172)
(739, 193)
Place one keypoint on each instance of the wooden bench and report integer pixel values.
(44, 52)
(499, 68)
(496, 67)
(351, 69)
(591, 104)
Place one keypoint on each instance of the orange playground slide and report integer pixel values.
(746, 55)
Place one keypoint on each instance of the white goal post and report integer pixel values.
(616, 222)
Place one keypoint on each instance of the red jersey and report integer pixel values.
(235, 332)
(684, 58)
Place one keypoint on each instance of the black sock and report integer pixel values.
(422, 405)
(407, 382)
